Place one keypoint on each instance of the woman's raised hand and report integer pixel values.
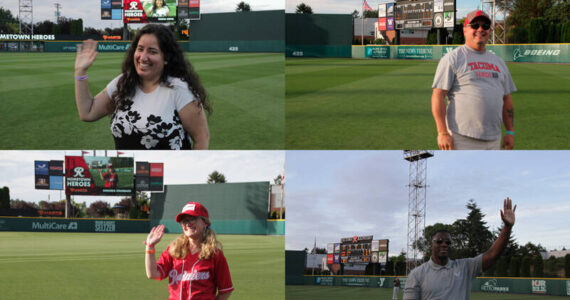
(155, 235)
(86, 55)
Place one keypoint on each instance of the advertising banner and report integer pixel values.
(194, 9)
(390, 25)
(142, 183)
(337, 248)
(336, 258)
(437, 6)
(414, 52)
(156, 169)
(143, 169)
(56, 167)
(438, 20)
(156, 184)
(94, 175)
(56, 182)
(330, 248)
(72, 225)
(389, 9)
(145, 11)
(42, 182)
(382, 10)
(330, 259)
(381, 24)
(105, 9)
(377, 52)
(41, 167)
(448, 19)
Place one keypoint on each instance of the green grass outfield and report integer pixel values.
(38, 109)
(298, 292)
(386, 104)
(111, 266)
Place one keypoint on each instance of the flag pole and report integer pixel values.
(362, 25)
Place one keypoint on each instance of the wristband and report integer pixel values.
(150, 251)
(80, 78)
(510, 132)
(148, 245)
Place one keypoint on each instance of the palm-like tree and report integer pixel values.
(304, 9)
(216, 177)
(242, 6)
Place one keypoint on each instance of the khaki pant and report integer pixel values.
(461, 142)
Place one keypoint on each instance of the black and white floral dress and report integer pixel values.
(151, 121)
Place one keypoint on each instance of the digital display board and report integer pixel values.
(93, 175)
(363, 250)
(194, 9)
(414, 15)
(48, 175)
(149, 11)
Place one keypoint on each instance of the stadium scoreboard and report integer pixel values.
(417, 14)
(358, 250)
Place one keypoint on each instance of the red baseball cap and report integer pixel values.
(193, 209)
(474, 15)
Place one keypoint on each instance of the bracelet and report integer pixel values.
(80, 78)
(510, 132)
(150, 251)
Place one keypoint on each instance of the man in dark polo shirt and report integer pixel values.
(444, 279)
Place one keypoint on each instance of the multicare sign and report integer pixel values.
(93, 175)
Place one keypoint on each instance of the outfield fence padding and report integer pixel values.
(537, 286)
(532, 53)
(102, 46)
(234, 208)
(255, 31)
(73, 225)
(318, 35)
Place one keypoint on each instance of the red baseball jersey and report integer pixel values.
(195, 279)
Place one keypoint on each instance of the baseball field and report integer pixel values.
(111, 266)
(298, 292)
(39, 112)
(386, 104)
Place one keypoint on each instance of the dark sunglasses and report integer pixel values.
(475, 26)
(440, 241)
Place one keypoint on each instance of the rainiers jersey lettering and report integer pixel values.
(192, 278)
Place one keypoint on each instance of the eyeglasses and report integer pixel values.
(440, 241)
(475, 26)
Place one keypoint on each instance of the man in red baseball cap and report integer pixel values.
(194, 262)
(478, 85)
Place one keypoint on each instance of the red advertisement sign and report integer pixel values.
(156, 169)
(382, 24)
(330, 259)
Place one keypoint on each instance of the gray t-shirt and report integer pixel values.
(431, 281)
(476, 83)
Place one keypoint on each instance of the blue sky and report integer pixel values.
(335, 194)
(180, 167)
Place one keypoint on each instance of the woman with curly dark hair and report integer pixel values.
(157, 102)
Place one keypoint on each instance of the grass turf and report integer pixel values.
(38, 100)
(111, 266)
(298, 292)
(386, 104)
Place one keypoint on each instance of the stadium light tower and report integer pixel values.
(26, 17)
(498, 29)
(416, 203)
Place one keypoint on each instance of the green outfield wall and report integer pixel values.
(234, 208)
(318, 35)
(538, 286)
(73, 225)
(532, 53)
(254, 31)
(102, 46)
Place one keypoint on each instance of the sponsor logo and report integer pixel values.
(185, 276)
(54, 226)
(381, 281)
(483, 66)
(78, 172)
(189, 207)
(493, 286)
(105, 226)
(234, 48)
(538, 286)
(519, 53)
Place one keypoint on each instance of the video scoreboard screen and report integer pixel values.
(424, 14)
(360, 250)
